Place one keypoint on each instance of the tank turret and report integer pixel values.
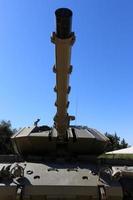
(39, 140)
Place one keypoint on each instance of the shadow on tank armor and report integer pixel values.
(62, 162)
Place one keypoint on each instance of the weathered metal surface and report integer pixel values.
(58, 179)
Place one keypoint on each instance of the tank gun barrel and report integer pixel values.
(63, 23)
(63, 39)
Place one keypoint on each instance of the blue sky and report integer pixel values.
(102, 79)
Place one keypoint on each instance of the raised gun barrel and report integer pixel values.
(63, 23)
(63, 39)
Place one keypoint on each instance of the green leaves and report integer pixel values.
(115, 142)
(6, 132)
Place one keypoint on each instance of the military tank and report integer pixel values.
(61, 162)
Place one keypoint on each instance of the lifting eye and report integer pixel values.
(53, 169)
(29, 172)
(85, 177)
(36, 177)
(72, 169)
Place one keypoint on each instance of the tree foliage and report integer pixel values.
(6, 132)
(116, 142)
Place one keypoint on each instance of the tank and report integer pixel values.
(61, 162)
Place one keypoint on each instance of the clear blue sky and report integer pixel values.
(102, 79)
